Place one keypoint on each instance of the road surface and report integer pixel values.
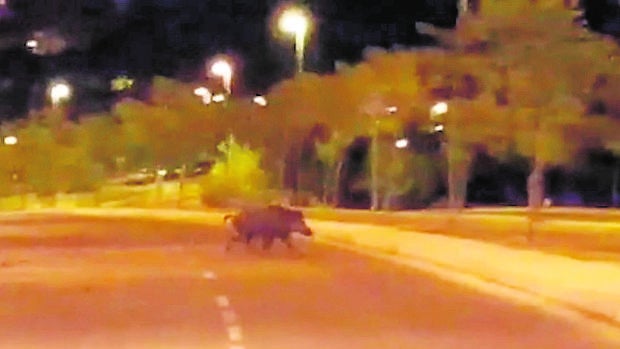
(74, 282)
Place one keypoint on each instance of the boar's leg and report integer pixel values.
(287, 241)
(267, 242)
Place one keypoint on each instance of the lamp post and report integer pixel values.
(295, 21)
(374, 151)
(12, 141)
(437, 111)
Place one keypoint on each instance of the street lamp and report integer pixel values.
(376, 107)
(436, 112)
(12, 141)
(59, 92)
(295, 21)
(224, 70)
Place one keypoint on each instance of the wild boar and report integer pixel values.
(269, 223)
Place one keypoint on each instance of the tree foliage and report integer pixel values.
(235, 176)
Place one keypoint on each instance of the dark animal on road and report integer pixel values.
(269, 223)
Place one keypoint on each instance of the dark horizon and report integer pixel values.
(173, 38)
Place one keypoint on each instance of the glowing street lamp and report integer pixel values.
(224, 70)
(295, 21)
(59, 92)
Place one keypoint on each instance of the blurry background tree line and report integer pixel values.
(531, 113)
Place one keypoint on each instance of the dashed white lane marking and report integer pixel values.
(222, 301)
(234, 333)
(229, 316)
(209, 275)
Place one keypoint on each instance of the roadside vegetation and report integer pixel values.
(523, 98)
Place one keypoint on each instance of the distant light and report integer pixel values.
(221, 68)
(391, 109)
(224, 70)
(10, 140)
(59, 92)
(260, 100)
(218, 98)
(204, 93)
(438, 128)
(32, 44)
(201, 91)
(401, 143)
(121, 83)
(293, 21)
(162, 172)
(438, 109)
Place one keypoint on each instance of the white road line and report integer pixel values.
(234, 333)
(222, 301)
(209, 275)
(229, 316)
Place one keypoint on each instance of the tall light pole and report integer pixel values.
(224, 70)
(295, 21)
(376, 109)
(437, 112)
(11, 141)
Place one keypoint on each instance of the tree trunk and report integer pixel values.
(615, 197)
(374, 180)
(336, 192)
(282, 173)
(325, 189)
(535, 196)
(457, 179)
(536, 186)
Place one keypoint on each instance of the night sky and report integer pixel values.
(91, 41)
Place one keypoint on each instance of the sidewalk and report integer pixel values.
(584, 289)
(589, 287)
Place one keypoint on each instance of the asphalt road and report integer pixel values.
(68, 282)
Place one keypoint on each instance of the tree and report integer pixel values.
(512, 48)
(102, 137)
(236, 176)
(331, 154)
